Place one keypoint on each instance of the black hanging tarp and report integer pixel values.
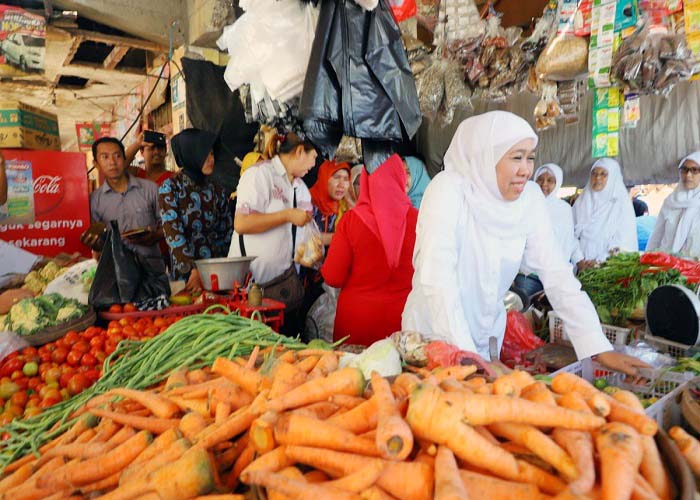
(213, 107)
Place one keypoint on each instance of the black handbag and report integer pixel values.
(287, 287)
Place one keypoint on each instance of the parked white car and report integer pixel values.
(24, 51)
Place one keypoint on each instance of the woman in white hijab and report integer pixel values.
(475, 227)
(678, 226)
(603, 215)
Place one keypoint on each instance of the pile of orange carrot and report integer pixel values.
(296, 425)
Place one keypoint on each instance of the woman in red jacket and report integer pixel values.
(370, 258)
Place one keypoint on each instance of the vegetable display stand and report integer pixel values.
(662, 384)
(58, 331)
(664, 346)
(557, 331)
(271, 312)
(162, 313)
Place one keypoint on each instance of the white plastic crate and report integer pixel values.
(664, 346)
(662, 384)
(557, 331)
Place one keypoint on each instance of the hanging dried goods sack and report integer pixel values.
(564, 58)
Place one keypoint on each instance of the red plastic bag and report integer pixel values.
(688, 268)
(441, 355)
(403, 9)
(519, 339)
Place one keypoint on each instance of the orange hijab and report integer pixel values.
(319, 192)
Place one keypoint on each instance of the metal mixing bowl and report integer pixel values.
(223, 273)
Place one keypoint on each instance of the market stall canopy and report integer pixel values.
(668, 130)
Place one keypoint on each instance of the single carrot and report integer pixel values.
(273, 461)
(74, 450)
(231, 394)
(321, 410)
(197, 376)
(394, 438)
(346, 402)
(17, 477)
(376, 493)
(689, 446)
(230, 428)
(197, 388)
(308, 363)
(250, 364)
(370, 435)
(652, 467)
(316, 476)
(312, 352)
(244, 460)
(200, 405)
(457, 373)
(512, 384)
(482, 486)
(407, 480)
(358, 481)
(478, 409)
(643, 490)
(94, 469)
(448, 483)
(152, 424)
(290, 472)
(579, 446)
(546, 482)
(222, 411)
(486, 434)
(262, 433)
(539, 393)
(191, 424)
(296, 488)
(121, 436)
(286, 377)
(568, 382)
(300, 430)
(177, 378)
(360, 419)
(247, 379)
(158, 405)
(620, 452)
(474, 383)
(433, 418)
(540, 444)
(404, 384)
(108, 483)
(327, 364)
(288, 357)
(344, 381)
(229, 457)
(451, 385)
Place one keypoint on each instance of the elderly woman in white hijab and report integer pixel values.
(603, 215)
(479, 220)
(550, 178)
(678, 225)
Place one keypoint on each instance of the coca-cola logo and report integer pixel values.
(48, 193)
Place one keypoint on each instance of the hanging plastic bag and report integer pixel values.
(310, 251)
(321, 318)
(403, 9)
(519, 339)
(566, 55)
(11, 342)
(123, 276)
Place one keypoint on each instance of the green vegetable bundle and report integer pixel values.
(29, 316)
(193, 342)
(622, 284)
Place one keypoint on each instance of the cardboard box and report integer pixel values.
(24, 126)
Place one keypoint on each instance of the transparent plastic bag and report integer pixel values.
(564, 58)
(11, 342)
(457, 93)
(430, 85)
(310, 250)
(321, 318)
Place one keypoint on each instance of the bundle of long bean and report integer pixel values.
(622, 284)
(193, 342)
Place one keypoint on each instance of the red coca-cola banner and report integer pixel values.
(61, 204)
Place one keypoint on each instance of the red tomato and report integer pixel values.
(19, 398)
(91, 332)
(115, 308)
(114, 331)
(92, 375)
(73, 358)
(12, 365)
(110, 346)
(160, 322)
(49, 402)
(59, 355)
(65, 378)
(22, 383)
(81, 347)
(32, 411)
(6, 418)
(33, 401)
(88, 360)
(17, 374)
(78, 383)
(100, 356)
(151, 331)
(34, 383)
(97, 343)
(52, 375)
(30, 351)
(129, 308)
(14, 410)
(71, 337)
(45, 356)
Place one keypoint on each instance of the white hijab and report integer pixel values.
(686, 200)
(558, 174)
(598, 216)
(477, 146)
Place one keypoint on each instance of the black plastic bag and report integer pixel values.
(124, 276)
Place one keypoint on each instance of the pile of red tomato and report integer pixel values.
(36, 378)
